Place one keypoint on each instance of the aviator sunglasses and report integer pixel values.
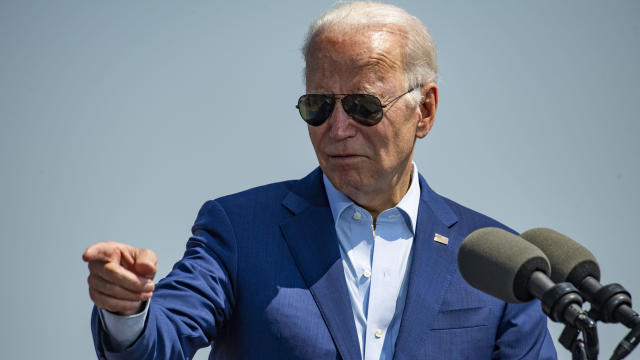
(366, 109)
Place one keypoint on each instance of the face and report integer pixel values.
(368, 164)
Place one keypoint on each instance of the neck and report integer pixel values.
(383, 199)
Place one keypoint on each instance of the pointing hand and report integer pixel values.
(120, 276)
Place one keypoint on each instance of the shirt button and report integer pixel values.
(378, 334)
(367, 273)
(357, 215)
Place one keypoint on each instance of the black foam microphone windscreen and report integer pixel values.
(569, 260)
(500, 263)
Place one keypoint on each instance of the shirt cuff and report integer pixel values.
(123, 330)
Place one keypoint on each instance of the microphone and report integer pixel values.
(571, 262)
(505, 266)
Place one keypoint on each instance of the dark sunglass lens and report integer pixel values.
(364, 108)
(315, 108)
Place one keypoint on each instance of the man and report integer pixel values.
(356, 260)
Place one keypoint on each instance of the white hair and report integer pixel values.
(420, 65)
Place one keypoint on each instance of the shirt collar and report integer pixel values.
(408, 204)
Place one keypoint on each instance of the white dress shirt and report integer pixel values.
(375, 265)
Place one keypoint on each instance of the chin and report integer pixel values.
(348, 181)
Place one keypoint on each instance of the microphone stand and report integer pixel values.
(571, 341)
(611, 304)
(585, 348)
(562, 303)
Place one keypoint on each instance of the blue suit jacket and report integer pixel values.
(262, 278)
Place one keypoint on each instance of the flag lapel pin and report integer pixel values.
(441, 239)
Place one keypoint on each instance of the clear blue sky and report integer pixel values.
(120, 118)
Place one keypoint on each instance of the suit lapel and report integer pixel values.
(313, 243)
(433, 264)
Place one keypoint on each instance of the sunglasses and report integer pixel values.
(366, 109)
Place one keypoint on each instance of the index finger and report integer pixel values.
(109, 251)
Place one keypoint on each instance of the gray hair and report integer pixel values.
(420, 65)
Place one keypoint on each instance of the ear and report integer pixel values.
(428, 106)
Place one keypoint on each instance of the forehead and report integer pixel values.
(344, 58)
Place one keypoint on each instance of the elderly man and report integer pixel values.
(355, 261)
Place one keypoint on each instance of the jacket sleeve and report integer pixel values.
(190, 306)
(523, 333)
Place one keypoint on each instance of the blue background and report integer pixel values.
(120, 118)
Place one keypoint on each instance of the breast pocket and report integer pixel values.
(461, 334)
(462, 318)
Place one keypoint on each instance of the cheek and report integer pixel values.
(387, 142)
(313, 136)
(317, 136)
(397, 145)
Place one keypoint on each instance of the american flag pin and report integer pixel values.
(441, 239)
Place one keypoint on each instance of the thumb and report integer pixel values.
(146, 263)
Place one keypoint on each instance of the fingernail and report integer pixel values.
(148, 286)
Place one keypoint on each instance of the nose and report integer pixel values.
(342, 126)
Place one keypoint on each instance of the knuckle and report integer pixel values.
(94, 297)
(92, 281)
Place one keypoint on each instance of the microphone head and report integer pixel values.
(570, 261)
(500, 264)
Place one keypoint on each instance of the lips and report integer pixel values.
(344, 155)
(345, 158)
